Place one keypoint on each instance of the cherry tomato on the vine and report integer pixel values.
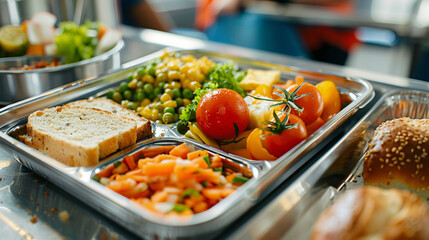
(312, 103)
(279, 144)
(219, 110)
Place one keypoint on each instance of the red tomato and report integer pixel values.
(312, 103)
(279, 144)
(218, 111)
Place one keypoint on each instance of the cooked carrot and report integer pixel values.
(230, 177)
(131, 163)
(191, 185)
(186, 172)
(216, 162)
(120, 168)
(180, 151)
(217, 193)
(201, 162)
(159, 169)
(208, 175)
(107, 172)
(122, 185)
(198, 153)
(152, 152)
(159, 196)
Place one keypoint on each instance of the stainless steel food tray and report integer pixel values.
(16, 85)
(77, 181)
(336, 171)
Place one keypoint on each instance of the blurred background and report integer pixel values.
(385, 36)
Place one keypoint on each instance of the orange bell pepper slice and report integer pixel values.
(331, 99)
(255, 147)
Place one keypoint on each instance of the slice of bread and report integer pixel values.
(79, 136)
(144, 128)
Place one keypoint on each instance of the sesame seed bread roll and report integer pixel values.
(144, 128)
(374, 213)
(397, 155)
(79, 136)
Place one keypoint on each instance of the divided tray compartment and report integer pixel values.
(341, 168)
(266, 175)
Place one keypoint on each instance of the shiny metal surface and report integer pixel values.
(311, 193)
(138, 43)
(16, 85)
(14, 12)
(119, 209)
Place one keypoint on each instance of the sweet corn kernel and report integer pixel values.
(194, 85)
(165, 97)
(170, 103)
(145, 102)
(186, 102)
(175, 84)
(148, 78)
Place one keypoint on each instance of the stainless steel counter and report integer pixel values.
(25, 195)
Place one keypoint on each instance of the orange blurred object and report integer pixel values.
(36, 50)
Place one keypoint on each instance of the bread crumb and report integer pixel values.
(46, 194)
(54, 210)
(33, 219)
(64, 216)
(37, 181)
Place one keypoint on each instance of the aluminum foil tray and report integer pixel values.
(266, 175)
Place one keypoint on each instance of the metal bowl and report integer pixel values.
(16, 85)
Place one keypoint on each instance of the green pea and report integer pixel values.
(170, 92)
(152, 96)
(130, 77)
(109, 94)
(148, 88)
(128, 95)
(177, 93)
(158, 121)
(180, 110)
(132, 105)
(141, 72)
(157, 91)
(187, 93)
(151, 70)
(168, 118)
(139, 96)
(161, 85)
(140, 84)
(123, 87)
(117, 97)
(176, 117)
(138, 90)
(158, 106)
(169, 110)
(179, 101)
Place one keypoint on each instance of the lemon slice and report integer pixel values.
(13, 39)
